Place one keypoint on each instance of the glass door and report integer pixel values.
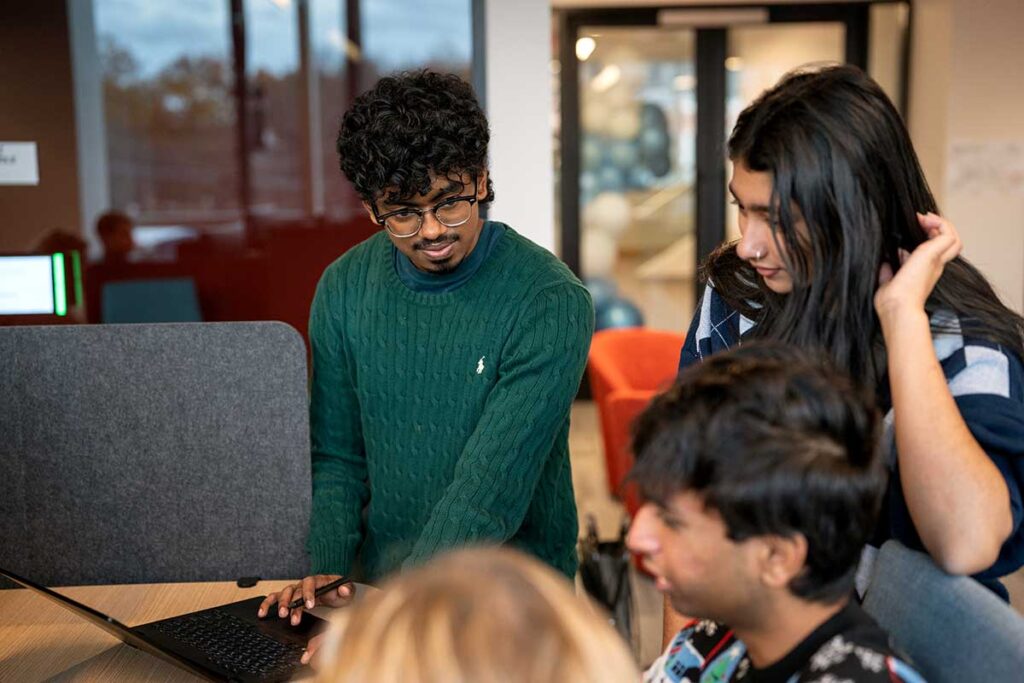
(637, 170)
(648, 97)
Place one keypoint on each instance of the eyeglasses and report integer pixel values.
(451, 213)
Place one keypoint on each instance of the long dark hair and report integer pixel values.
(837, 148)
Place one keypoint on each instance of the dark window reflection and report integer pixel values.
(275, 120)
(169, 111)
(393, 35)
(174, 129)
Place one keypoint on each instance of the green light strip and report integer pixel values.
(76, 272)
(60, 303)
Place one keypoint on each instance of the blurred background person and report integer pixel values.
(60, 241)
(115, 232)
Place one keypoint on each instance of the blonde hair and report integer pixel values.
(477, 616)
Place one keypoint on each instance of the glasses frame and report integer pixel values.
(382, 219)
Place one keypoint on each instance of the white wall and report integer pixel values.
(986, 141)
(966, 99)
(90, 124)
(519, 107)
(37, 105)
(928, 105)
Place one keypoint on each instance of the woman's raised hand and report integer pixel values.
(910, 286)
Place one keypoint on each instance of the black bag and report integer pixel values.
(604, 570)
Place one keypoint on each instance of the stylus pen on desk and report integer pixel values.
(327, 587)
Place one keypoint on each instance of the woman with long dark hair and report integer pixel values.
(842, 249)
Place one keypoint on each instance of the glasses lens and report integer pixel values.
(404, 224)
(454, 213)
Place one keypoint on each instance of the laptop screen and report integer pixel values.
(32, 285)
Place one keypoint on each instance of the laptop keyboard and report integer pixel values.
(233, 643)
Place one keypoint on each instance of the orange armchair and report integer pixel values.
(627, 367)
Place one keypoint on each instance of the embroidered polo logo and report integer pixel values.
(480, 365)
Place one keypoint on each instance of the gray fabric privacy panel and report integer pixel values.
(153, 452)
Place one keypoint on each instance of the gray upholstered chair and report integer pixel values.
(153, 452)
(952, 627)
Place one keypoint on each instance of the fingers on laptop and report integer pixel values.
(265, 605)
(306, 591)
(282, 598)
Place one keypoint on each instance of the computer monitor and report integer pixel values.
(39, 287)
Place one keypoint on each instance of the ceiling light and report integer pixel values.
(585, 47)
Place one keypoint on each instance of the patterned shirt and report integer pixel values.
(847, 648)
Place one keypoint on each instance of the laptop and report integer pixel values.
(225, 643)
(38, 288)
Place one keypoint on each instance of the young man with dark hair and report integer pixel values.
(115, 232)
(447, 350)
(762, 484)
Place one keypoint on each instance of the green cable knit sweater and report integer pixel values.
(444, 415)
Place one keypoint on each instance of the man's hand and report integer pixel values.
(306, 589)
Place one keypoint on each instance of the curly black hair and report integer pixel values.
(408, 126)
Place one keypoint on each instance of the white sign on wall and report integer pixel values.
(18, 163)
(987, 166)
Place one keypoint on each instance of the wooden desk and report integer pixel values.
(41, 641)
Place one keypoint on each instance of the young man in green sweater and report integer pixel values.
(447, 350)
